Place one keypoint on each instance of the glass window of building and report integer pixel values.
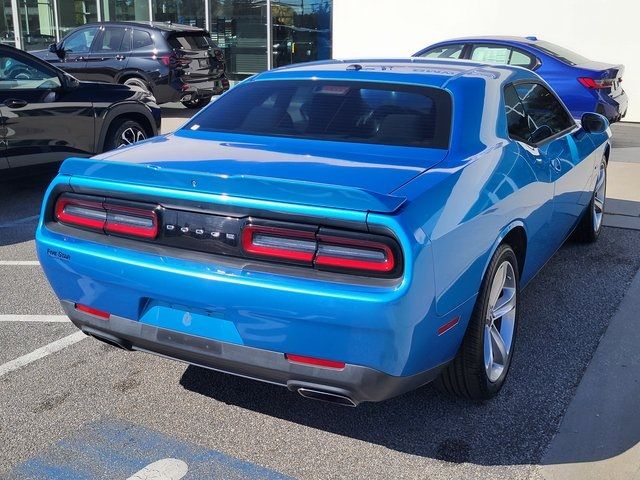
(38, 24)
(7, 36)
(239, 28)
(185, 12)
(301, 31)
(113, 10)
(73, 13)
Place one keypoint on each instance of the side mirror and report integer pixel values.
(53, 48)
(594, 123)
(57, 49)
(68, 82)
(540, 134)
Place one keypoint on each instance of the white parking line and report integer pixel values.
(41, 352)
(19, 221)
(165, 469)
(35, 318)
(19, 262)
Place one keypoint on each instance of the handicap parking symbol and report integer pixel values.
(114, 449)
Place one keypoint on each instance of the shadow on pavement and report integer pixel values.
(566, 310)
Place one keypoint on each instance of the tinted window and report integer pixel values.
(517, 123)
(141, 40)
(80, 41)
(111, 40)
(445, 51)
(25, 75)
(561, 53)
(501, 54)
(190, 41)
(333, 110)
(543, 109)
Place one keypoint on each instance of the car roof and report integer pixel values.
(163, 26)
(493, 38)
(427, 71)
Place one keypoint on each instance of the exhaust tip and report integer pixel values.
(327, 397)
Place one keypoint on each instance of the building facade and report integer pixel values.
(293, 30)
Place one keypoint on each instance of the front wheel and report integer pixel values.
(197, 102)
(590, 226)
(124, 133)
(479, 369)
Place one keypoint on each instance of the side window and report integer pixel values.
(544, 111)
(25, 75)
(445, 51)
(517, 122)
(80, 41)
(141, 40)
(111, 40)
(501, 54)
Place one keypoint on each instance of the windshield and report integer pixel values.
(345, 111)
(191, 41)
(561, 53)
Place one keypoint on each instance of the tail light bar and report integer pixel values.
(595, 83)
(95, 214)
(349, 252)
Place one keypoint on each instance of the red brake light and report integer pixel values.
(281, 243)
(594, 84)
(92, 311)
(316, 362)
(354, 254)
(108, 218)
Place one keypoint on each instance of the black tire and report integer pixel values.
(123, 129)
(197, 103)
(137, 82)
(590, 226)
(466, 376)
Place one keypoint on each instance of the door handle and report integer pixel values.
(15, 103)
(120, 57)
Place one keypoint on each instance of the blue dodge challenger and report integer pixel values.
(348, 229)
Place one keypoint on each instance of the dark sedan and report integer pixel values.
(48, 115)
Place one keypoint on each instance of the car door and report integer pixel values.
(44, 121)
(557, 137)
(74, 51)
(108, 57)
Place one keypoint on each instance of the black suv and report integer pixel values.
(46, 115)
(174, 62)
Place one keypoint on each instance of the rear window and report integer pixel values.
(561, 53)
(190, 41)
(386, 114)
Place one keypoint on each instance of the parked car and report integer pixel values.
(351, 230)
(174, 62)
(48, 115)
(582, 84)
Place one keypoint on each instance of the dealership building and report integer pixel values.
(304, 30)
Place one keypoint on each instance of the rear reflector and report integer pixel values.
(110, 218)
(316, 362)
(594, 84)
(281, 243)
(445, 327)
(92, 311)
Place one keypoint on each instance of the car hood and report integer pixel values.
(323, 173)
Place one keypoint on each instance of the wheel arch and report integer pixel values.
(514, 235)
(127, 74)
(132, 111)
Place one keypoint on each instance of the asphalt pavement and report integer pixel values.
(92, 411)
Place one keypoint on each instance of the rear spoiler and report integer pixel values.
(240, 186)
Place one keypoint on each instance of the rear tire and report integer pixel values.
(480, 368)
(137, 82)
(590, 226)
(197, 103)
(123, 133)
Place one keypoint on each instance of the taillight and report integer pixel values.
(218, 55)
(354, 254)
(279, 243)
(95, 214)
(594, 83)
(334, 250)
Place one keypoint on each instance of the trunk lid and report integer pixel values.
(316, 173)
(605, 71)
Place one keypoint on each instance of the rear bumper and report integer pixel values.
(353, 383)
(194, 89)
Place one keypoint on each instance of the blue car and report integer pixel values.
(582, 84)
(351, 230)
